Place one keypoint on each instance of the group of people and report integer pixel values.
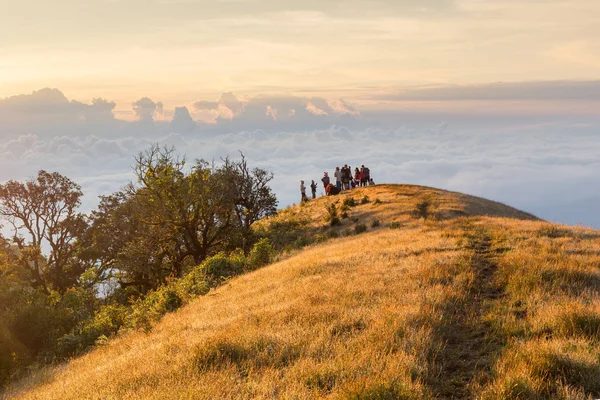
(344, 180)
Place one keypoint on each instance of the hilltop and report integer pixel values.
(477, 299)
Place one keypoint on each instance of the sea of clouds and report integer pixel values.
(546, 165)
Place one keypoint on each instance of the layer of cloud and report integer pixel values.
(532, 163)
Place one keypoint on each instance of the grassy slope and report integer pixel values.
(473, 306)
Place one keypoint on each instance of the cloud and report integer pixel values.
(182, 121)
(145, 109)
(311, 108)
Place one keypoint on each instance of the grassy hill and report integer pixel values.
(479, 300)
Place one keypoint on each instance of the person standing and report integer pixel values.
(325, 179)
(357, 177)
(338, 178)
(346, 176)
(364, 175)
(313, 189)
(303, 191)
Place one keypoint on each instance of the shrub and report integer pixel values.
(282, 233)
(332, 214)
(344, 215)
(261, 254)
(349, 202)
(360, 228)
(106, 322)
(395, 225)
(375, 223)
(220, 266)
(364, 200)
(377, 201)
(194, 284)
(423, 208)
(334, 234)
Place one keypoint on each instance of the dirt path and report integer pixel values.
(469, 343)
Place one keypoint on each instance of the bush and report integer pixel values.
(220, 266)
(151, 308)
(375, 223)
(377, 201)
(349, 202)
(423, 208)
(395, 225)
(283, 233)
(360, 228)
(364, 200)
(106, 322)
(332, 214)
(261, 254)
(194, 284)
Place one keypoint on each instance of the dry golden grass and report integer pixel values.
(460, 306)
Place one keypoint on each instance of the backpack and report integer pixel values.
(366, 172)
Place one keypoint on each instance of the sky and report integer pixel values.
(494, 98)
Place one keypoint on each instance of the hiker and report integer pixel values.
(346, 177)
(325, 180)
(332, 190)
(364, 179)
(313, 189)
(303, 191)
(338, 178)
(357, 177)
(371, 182)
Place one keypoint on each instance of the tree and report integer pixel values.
(254, 198)
(43, 215)
(120, 245)
(194, 208)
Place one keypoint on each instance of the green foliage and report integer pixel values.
(152, 307)
(220, 267)
(157, 244)
(262, 254)
(284, 232)
(194, 284)
(364, 200)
